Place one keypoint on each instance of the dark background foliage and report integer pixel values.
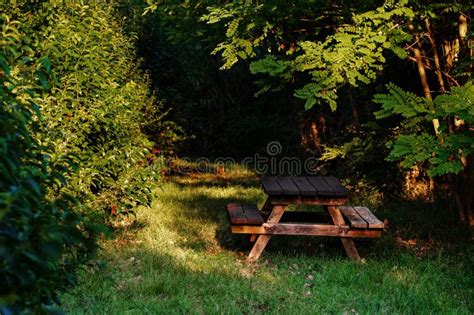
(217, 110)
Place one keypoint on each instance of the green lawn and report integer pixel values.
(179, 257)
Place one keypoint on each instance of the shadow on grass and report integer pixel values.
(201, 209)
(148, 282)
(141, 280)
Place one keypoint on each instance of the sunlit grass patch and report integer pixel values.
(214, 174)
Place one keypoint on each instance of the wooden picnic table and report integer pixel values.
(345, 222)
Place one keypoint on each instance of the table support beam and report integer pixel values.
(305, 229)
(348, 243)
(262, 240)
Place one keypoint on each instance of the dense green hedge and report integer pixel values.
(72, 145)
(41, 239)
(96, 105)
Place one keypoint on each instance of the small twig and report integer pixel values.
(448, 76)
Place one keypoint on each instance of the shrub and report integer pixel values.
(72, 144)
(41, 239)
(96, 107)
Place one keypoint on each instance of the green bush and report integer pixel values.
(72, 142)
(96, 105)
(41, 239)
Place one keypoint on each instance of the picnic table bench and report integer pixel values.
(338, 220)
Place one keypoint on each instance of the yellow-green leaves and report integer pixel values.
(401, 102)
(350, 53)
(42, 237)
(442, 154)
(95, 110)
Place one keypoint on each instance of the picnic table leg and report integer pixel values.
(348, 243)
(262, 240)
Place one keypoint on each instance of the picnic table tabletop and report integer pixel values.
(304, 186)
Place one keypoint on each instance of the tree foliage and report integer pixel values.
(347, 45)
(445, 152)
(351, 53)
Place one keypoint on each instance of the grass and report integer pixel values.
(179, 257)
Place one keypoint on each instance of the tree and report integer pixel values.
(322, 48)
(439, 46)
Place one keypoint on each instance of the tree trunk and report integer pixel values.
(465, 180)
(461, 184)
(464, 193)
(434, 48)
(422, 72)
(315, 136)
(355, 114)
(303, 137)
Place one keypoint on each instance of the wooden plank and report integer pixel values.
(236, 214)
(305, 229)
(262, 240)
(324, 190)
(343, 231)
(370, 218)
(289, 188)
(336, 186)
(270, 186)
(354, 218)
(305, 187)
(252, 214)
(267, 207)
(309, 201)
(347, 243)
